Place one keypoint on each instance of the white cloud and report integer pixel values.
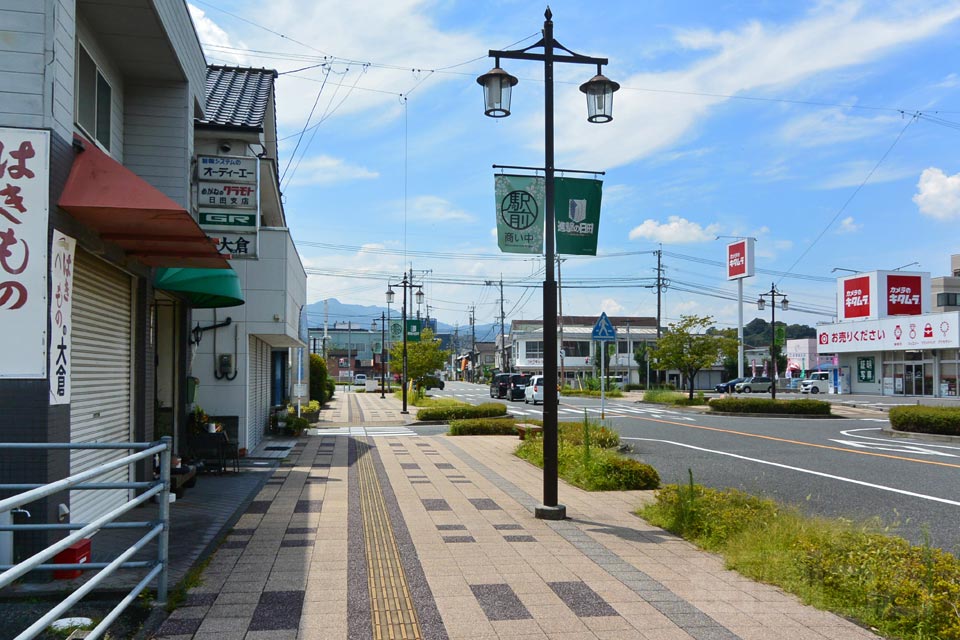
(676, 230)
(611, 306)
(938, 195)
(848, 225)
(328, 170)
(852, 174)
(210, 33)
(952, 80)
(832, 126)
(756, 58)
(434, 208)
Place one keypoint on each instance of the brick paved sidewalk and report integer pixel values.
(433, 537)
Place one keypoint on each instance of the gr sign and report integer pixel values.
(228, 219)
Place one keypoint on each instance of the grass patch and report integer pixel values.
(587, 459)
(462, 410)
(770, 406)
(903, 590)
(484, 427)
(919, 419)
(590, 393)
(178, 594)
(421, 400)
(675, 398)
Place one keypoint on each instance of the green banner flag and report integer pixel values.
(781, 335)
(577, 207)
(520, 213)
(414, 327)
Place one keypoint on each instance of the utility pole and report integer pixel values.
(503, 338)
(660, 287)
(456, 350)
(473, 347)
(326, 318)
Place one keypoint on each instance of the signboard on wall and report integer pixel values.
(881, 294)
(865, 369)
(856, 298)
(228, 203)
(24, 214)
(740, 259)
(928, 331)
(904, 294)
(62, 250)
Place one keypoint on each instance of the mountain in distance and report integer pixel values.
(362, 316)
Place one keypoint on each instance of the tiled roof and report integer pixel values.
(237, 96)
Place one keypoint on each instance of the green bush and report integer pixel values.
(459, 412)
(902, 590)
(677, 398)
(590, 393)
(919, 419)
(318, 379)
(769, 405)
(484, 427)
(331, 389)
(632, 386)
(572, 433)
(296, 426)
(592, 468)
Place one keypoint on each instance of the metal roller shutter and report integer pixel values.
(100, 407)
(258, 401)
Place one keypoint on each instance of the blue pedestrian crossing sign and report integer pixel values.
(603, 331)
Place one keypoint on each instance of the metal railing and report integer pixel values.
(156, 530)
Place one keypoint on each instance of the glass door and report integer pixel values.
(913, 380)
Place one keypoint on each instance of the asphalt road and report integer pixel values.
(838, 467)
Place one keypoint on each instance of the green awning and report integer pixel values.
(203, 288)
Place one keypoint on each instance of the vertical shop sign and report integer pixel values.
(24, 211)
(62, 251)
(865, 371)
(228, 203)
(856, 297)
(520, 213)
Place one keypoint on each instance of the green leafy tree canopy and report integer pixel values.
(686, 346)
(423, 358)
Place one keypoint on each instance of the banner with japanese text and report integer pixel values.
(24, 214)
(62, 251)
(577, 207)
(520, 213)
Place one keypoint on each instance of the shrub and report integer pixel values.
(593, 469)
(484, 427)
(331, 389)
(668, 396)
(318, 379)
(486, 410)
(590, 393)
(572, 433)
(769, 405)
(631, 386)
(296, 426)
(918, 419)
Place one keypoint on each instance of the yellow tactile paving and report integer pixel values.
(392, 612)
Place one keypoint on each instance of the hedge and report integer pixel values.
(572, 433)
(769, 405)
(484, 427)
(486, 410)
(919, 419)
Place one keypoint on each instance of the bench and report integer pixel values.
(522, 429)
(182, 478)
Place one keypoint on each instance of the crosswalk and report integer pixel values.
(370, 432)
(611, 410)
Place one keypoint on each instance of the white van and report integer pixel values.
(360, 378)
(817, 382)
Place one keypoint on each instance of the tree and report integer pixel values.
(640, 354)
(687, 347)
(318, 378)
(423, 358)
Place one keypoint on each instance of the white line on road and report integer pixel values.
(802, 470)
(852, 433)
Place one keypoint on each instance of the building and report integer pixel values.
(578, 352)
(248, 358)
(349, 348)
(97, 145)
(890, 339)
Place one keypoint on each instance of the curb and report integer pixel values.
(924, 437)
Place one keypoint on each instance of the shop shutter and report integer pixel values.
(258, 397)
(100, 406)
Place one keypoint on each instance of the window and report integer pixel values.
(623, 346)
(947, 299)
(576, 349)
(94, 97)
(533, 349)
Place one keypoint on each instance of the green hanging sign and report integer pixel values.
(577, 207)
(414, 327)
(520, 213)
(780, 332)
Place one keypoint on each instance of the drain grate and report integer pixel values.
(275, 448)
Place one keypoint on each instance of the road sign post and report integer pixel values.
(603, 332)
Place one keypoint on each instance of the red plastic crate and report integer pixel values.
(77, 553)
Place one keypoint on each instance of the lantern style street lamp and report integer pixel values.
(773, 294)
(405, 284)
(497, 90)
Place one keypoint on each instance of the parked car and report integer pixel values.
(500, 385)
(518, 386)
(534, 391)
(727, 387)
(360, 378)
(816, 382)
(759, 384)
(430, 382)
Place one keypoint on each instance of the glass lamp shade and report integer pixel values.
(599, 90)
(390, 295)
(497, 86)
(785, 305)
(419, 296)
(761, 304)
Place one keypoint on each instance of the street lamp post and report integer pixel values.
(383, 351)
(773, 294)
(497, 88)
(405, 284)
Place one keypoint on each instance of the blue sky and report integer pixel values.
(791, 122)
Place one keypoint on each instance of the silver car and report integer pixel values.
(758, 384)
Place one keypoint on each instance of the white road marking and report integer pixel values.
(893, 447)
(830, 476)
(930, 445)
